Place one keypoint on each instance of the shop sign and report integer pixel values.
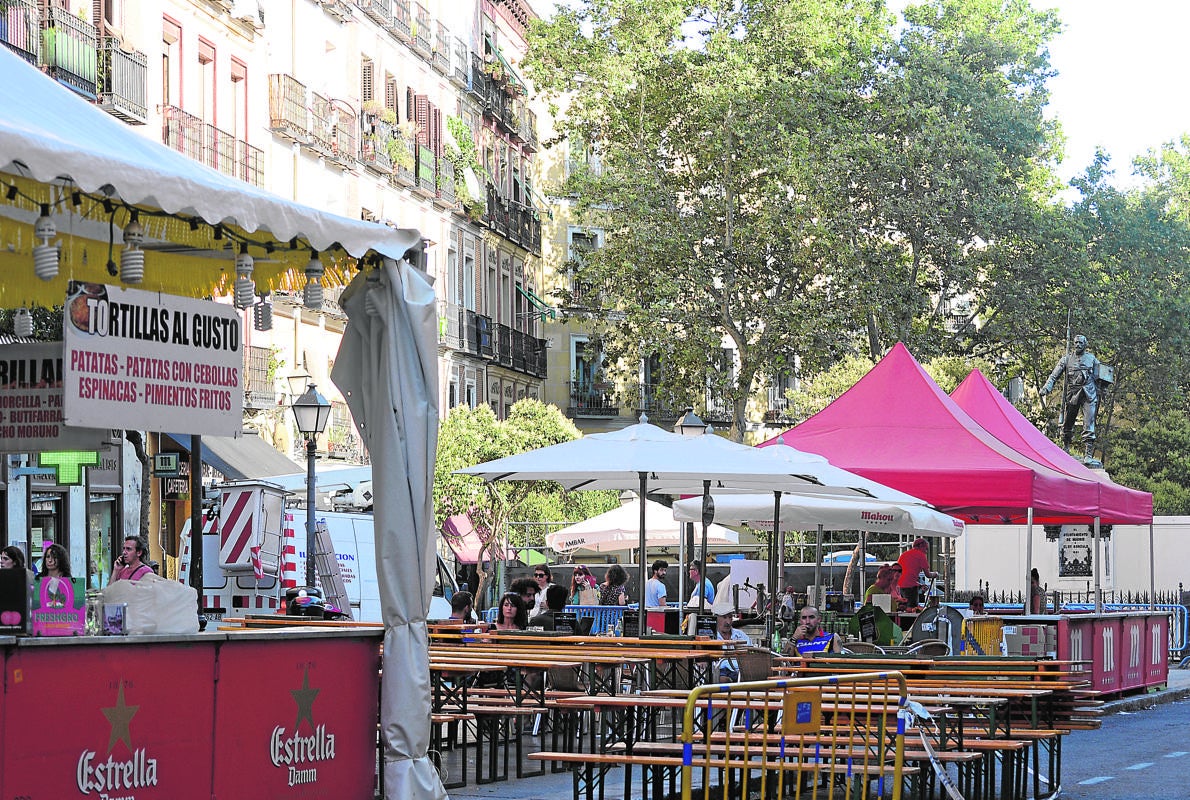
(150, 361)
(129, 733)
(306, 732)
(58, 607)
(31, 402)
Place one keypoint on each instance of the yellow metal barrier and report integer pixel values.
(802, 730)
(981, 635)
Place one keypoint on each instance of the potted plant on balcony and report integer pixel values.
(467, 169)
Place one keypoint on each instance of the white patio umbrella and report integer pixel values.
(619, 529)
(804, 512)
(648, 459)
(387, 369)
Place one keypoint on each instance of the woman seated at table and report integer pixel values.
(886, 583)
(612, 591)
(512, 615)
(582, 588)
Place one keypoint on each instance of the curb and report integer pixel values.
(1143, 702)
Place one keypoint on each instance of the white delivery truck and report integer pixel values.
(254, 548)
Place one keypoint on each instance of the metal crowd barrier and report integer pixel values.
(604, 616)
(777, 736)
(1179, 621)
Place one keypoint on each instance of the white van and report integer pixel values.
(231, 587)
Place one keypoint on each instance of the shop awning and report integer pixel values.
(243, 458)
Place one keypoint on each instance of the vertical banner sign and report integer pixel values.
(151, 361)
(31, 402)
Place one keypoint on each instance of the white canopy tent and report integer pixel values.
(619, 529)
(53, 143)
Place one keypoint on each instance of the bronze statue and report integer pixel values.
(1082, 371)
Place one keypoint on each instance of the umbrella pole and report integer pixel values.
(682, 556)
(702, 596)
(642, 578)
(818, 569)
(863, 564)
(776, 564)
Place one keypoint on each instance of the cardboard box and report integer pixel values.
(1024, 640)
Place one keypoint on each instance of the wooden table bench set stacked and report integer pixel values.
(1010, 712)
(528, 676)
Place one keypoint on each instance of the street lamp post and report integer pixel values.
(311, 412)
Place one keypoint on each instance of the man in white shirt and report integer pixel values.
(655, 587)
(729, 668)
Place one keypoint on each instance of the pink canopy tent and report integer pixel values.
(898, 427)
(979, 398)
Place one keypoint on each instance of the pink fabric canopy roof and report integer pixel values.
(979, 398)
(898, 427)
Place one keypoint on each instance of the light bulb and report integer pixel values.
(45, 255)
(132, 259)
(22, 323)
(245, 287)
(262, 313)
(312, 293)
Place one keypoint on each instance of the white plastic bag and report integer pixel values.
(156, 605)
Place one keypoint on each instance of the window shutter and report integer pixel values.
(99, 17)
(390, 95)
(436, 139)
(366, 70)
(422, 105)
(411, 104)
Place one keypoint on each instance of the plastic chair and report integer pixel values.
(929, 647)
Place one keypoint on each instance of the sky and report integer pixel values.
(1123, 78)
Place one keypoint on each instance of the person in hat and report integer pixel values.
(700, 582)
(655, 587)
(728, 668)
(914, 561)
(810, 637)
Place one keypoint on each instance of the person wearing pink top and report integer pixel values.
(131, 566)
(913, 561)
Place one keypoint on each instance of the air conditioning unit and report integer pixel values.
(549, 342)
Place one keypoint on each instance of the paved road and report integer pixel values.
(1142, 755)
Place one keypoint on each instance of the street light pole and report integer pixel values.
(311, 412)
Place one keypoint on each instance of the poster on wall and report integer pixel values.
(31, 419)
(151, 361)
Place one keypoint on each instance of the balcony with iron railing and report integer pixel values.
(259, 391)
(589, 399)
(650, 400)
(422, 32)
(475, 333)
(322, 126)
(447, 195)
(209, 145)
(719, 408)
(427, 173)
(379, 11)
(70, 51)
(402, 26)
(480, 84)
(460, 63)
(345, 144)
(450, 325)
(288, 116)
(442, 49)
(20, 24)
(375, 140)
(123, 83)
(529, 141)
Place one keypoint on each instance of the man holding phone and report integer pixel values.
(131, 566)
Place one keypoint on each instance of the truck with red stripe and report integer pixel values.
(254, 549)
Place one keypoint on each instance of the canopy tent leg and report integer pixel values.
(1152, 570)
(1098, 571)
(1028, 605)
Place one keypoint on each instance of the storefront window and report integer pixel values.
(101, 527)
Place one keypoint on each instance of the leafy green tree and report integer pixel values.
(789, 179)
(1155, 457)
(472, 436)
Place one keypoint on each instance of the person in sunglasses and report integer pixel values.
(544, 579)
